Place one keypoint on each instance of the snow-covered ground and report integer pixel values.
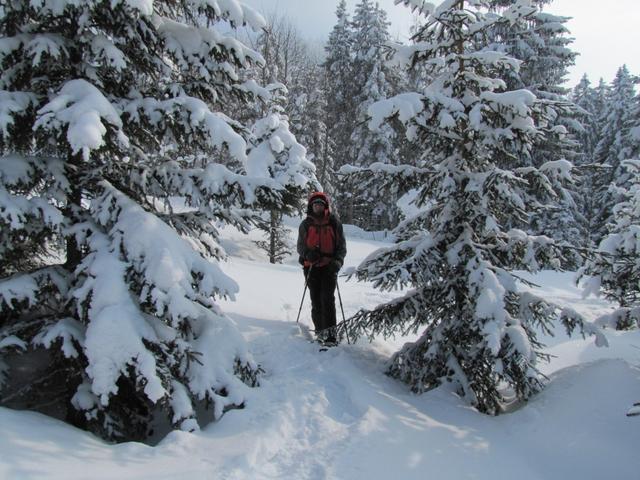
(336, 415)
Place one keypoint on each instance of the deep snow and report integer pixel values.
(336, 415)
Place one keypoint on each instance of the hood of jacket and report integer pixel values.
(315, 196)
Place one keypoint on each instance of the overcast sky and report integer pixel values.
(606, 32)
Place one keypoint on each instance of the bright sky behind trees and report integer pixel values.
(606, 34)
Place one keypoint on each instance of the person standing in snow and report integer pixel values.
(322, 248)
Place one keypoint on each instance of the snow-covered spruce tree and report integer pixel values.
(632, 129)
(110, 116)
(592, 102)
(479, 330)
(376, 80)
(309, 123)
(339, 87)
(613, 147)
(614, 268)
(370, 73)
(276, 244)
(276, 154)
(586, 98)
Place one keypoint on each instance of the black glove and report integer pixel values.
(335, 265)
(312, 256)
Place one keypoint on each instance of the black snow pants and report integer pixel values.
(322, 285)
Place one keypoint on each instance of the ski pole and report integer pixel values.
(342, 309)
(306, 283)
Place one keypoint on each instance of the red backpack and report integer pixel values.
(321, 236)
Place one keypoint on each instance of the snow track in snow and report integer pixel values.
(311, 401)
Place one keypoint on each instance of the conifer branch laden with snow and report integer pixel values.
(479, 330)
(111, 116)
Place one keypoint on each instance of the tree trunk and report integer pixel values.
(273, 240)
(74, 200)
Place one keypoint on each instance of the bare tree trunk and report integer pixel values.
(273, 240)
(74, 201)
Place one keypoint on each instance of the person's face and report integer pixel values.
(318, 208)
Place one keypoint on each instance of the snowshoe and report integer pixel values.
(327, 344)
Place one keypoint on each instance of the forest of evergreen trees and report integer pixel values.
(328, 96)
(131, 130)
